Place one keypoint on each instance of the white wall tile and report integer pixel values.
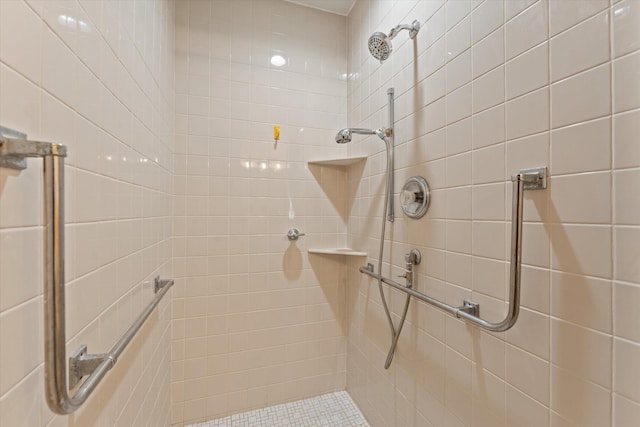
(489, 202)
(20, 104)
(528, 114)
(490, 277)
(459, 137)
(486, 18)
(458, 104)
(625, 376)
(535, 289)
(626, 82)
(582, 352)
(625, 17)
(488, 399)
(458, 39)
(531, 333)
(591, 139)
(573, 251)
(488, 90)
(515, 7)
(522, 410)
(19, 22)
(456, 10)
(527, 29)
(582, 198)
(59, 69)
(563, 15)
(488, 127)
(21, 258)
(625, 411)
(626, 203)
(21, 406)
(21, 352)
(571, 294)
(528, 373)
(488, 164)
(528, 71)
(626, 250)
(458, 71)
(588, 43)
(581, 97)
(577, 400)
(626, 153)
(488, 53)
(626, 322)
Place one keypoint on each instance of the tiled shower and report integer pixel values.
(168, 109)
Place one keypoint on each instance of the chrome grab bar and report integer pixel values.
(527, 179)
(14, 149)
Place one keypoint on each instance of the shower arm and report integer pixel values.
(396, 30)
(413, 29)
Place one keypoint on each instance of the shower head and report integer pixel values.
(380, 44)
(344, 135)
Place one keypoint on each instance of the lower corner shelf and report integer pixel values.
(337, 251)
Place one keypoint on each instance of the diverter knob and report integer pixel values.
(415, 197)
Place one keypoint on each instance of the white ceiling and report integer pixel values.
(341, 7)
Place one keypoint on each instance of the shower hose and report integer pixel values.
(395, 332)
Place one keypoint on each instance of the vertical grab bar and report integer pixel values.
(55, 354)
(55, 371)
(14, 149)
(526, 179)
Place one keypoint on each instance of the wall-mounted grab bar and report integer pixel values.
(14, 149)
(528, 179)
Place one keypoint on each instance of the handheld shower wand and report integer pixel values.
(386, 134)
(380, 44)
(345, 135)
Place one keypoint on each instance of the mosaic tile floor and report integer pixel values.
(329, 410)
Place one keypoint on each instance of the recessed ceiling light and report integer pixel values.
(278, 61)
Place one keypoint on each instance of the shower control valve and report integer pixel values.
(412, 258)
(293, 234)
(408, 277)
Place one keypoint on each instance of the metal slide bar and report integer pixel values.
(391, 173)
(528, 179)
(14, 148)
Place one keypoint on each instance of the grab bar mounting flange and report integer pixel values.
(534, 178)
(15, 148)
(469, 307)
(159, 284)
(82, 364)
(11, 161)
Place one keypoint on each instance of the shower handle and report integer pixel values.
(293, 234)
(412, 258)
